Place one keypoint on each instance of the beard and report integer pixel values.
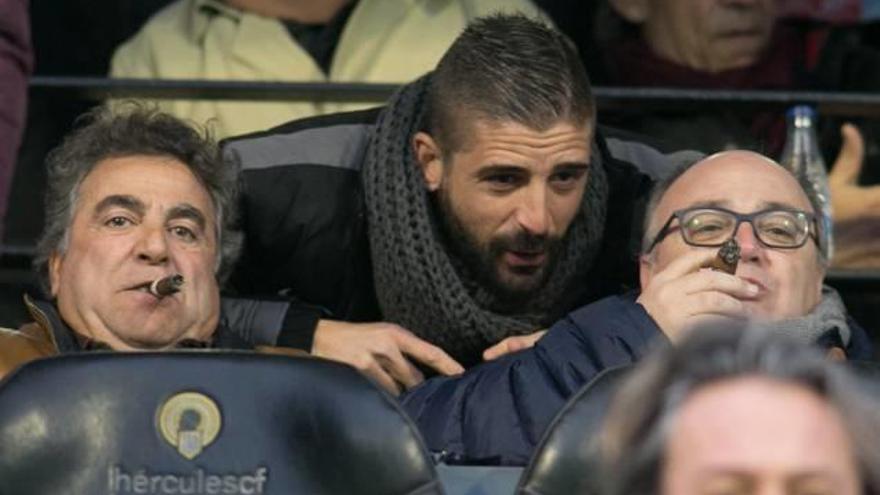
(512, 286)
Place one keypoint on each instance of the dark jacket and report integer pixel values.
(306, 233)
(497, 412)
(48, 335)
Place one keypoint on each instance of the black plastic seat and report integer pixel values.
(566, 460)
(204, 422)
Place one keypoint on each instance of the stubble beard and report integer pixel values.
(512, 286)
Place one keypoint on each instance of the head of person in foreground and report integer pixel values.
(736, 409)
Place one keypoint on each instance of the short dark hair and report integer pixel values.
(636, 431)
(130, 130)
(507, 67)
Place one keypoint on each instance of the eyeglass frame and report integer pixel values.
(664, 231)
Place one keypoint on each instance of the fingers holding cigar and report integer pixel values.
(684, 293)
(727, 257)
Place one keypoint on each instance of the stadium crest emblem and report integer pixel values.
(189, 421)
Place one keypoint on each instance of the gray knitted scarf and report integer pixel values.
(828, 316)
(420, 284)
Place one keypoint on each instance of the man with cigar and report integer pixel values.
(479, 205)
(139, 232)
(498, 411)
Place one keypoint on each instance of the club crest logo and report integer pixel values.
(189, 421)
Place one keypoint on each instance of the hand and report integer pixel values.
(856, 208)
(380, 351)
(683, 295)
(836, 354)
(512, 344)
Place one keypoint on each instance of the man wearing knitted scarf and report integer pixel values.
(482, 203)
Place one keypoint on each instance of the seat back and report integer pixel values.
(204, 422)
(566, 459)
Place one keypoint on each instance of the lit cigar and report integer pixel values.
(167, 285)
(727, 257)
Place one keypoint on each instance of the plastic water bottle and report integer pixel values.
(802, 157)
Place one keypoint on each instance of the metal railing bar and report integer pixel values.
(622, 98)
(99, 88)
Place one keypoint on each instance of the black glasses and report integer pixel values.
(710, 227)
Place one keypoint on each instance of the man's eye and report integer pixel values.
(503, 182)
(183, 233)
(564, 176)
(117, 222)
(567, 178)
(502, 179)
(569, 175)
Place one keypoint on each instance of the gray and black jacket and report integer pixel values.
(305, 227)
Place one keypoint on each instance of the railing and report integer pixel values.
(612, 98)
(99, 88)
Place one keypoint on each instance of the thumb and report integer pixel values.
(852, 154)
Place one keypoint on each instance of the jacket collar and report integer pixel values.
(47, 318)
(64, 340)
(201, 12)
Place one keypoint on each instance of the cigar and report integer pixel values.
(727, 257)
(167, 285)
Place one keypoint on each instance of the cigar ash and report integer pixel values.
(727, 258)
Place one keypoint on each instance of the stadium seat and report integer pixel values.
(204, 422)
(565, 461)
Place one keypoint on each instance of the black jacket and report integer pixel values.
(305, 225)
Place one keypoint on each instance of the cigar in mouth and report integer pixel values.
(167, 285)
(727, 257)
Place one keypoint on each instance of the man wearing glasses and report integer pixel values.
(693, 212)
(497, 412)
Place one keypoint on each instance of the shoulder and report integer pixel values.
(479, 8)
(336, 140)
(615, 319)
(641, 154)
(18, 347)
(176, 17)
(170, 30)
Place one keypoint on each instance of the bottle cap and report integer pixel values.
(801, 111)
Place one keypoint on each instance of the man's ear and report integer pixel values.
(429, 158)
(646, 270)
(634, 11)
(55, 261)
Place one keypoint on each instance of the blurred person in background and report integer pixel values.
(16, 61)
(740, 410)
(745, 45)
(376, 41)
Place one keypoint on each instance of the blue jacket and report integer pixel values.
(497, 412)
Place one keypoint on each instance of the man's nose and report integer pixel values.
(533, 215)
(153, 245)
(750, 248)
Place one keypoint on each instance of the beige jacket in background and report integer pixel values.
(384, 41)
